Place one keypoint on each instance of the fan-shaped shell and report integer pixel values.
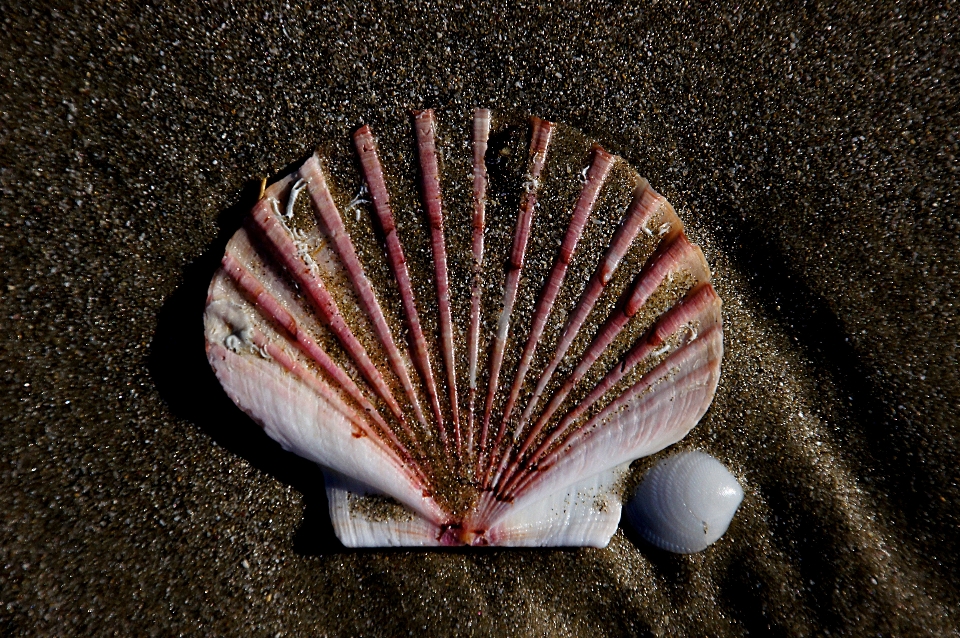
(473, 324)
(685, 503)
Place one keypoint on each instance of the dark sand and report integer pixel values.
(811, 150)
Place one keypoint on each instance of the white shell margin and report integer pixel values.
(685, 503)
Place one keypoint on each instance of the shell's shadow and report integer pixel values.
(188, 385)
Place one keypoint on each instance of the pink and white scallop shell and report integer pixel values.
(473, 331)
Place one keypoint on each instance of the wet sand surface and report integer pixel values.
(811, 150)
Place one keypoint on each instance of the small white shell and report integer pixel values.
(685, 503)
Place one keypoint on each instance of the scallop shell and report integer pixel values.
(473, 329)
(685, 503)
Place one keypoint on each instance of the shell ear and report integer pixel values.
(584, 515)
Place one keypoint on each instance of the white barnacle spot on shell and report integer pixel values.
(298, 186)
(236, 329)
(661, 351)
(233, 342)
(685, 503)
(358, 200)
(344, 340)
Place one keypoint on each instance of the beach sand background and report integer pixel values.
(810, 148)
